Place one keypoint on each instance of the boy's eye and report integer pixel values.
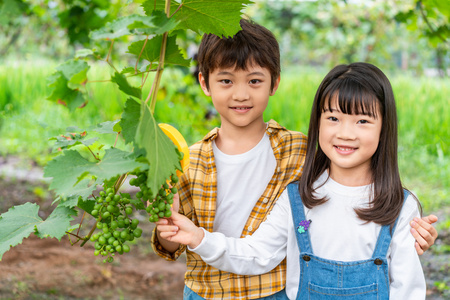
(255, 81)
(226, 81)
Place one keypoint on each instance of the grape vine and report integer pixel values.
(141, 148)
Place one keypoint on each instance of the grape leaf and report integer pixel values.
(56, 224)
(125, 86)
(130, 120)
(152, 51)
(205, 16)
(134, 23)
(106, 127)
(160, 151)
(75, 71)
(64, 143)
(20, 221)
(70, 168)
(86, 205)
(62, 94)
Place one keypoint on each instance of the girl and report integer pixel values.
(344, 226)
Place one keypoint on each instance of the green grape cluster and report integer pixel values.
(115, 223)
(160, 203)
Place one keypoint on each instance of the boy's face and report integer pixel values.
(239, 96)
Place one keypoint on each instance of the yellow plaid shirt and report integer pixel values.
(198, 192)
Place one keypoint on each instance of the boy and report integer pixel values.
(245, 157)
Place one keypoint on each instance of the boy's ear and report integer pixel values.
(275, 86)
(202, 81)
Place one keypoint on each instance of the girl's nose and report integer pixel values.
(346, 132)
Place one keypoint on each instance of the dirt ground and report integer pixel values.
(52, 269)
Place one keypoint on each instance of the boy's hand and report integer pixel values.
(180, 229)
(424, 233)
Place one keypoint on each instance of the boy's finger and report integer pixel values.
(418, 249)
(420, 244)
(427, 231)
(430, 219)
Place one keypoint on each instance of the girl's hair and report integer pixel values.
(358, 87)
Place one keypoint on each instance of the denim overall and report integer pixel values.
(323, 279)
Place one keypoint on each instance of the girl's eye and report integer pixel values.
(363, 122)
(334, 119)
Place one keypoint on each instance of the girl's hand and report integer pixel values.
(424, 233)
(179, 229)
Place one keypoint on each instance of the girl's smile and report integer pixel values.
(349, 141)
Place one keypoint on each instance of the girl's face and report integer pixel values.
(349, 141)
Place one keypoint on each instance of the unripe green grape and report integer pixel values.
(167, 213)
(110, 208)
(108, 247)
(96, 252)
(116, 234)
(111, 240)
(106, 214)
(110, 259)
(124, 234)
(174, 190)
(161, 206)
(107, 235)
(102, 193)
(139, 194)
(116, 243)
(161, 214)
(168, 207)
(135, 222)
(137, 232)
(102, 240)
(118, 248)
(128, 210)
(99, 225)
(126, 248)
(174, 178)
(105, 229)
(165, 185)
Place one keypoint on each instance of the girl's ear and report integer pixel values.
(275, 86)
(202, 81)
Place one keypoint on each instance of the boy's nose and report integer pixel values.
(241, 94)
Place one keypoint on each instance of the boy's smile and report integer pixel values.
(240, 96)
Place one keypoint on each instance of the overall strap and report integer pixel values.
(385, 236)
(298, 215)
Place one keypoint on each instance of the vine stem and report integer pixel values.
(155, 86)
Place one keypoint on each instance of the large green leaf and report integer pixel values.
(62, 94)
(156, 24)
(217, 17)
(153, 48)
(160, 151)
(20, 221)
(70, 167)
(125, 86)
(130, 120)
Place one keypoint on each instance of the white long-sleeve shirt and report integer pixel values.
(336, 234)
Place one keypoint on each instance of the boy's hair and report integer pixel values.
(254, 44)
(358, 88)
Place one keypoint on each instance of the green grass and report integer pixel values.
(28, 119)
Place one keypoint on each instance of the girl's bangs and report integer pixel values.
(352, 98)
